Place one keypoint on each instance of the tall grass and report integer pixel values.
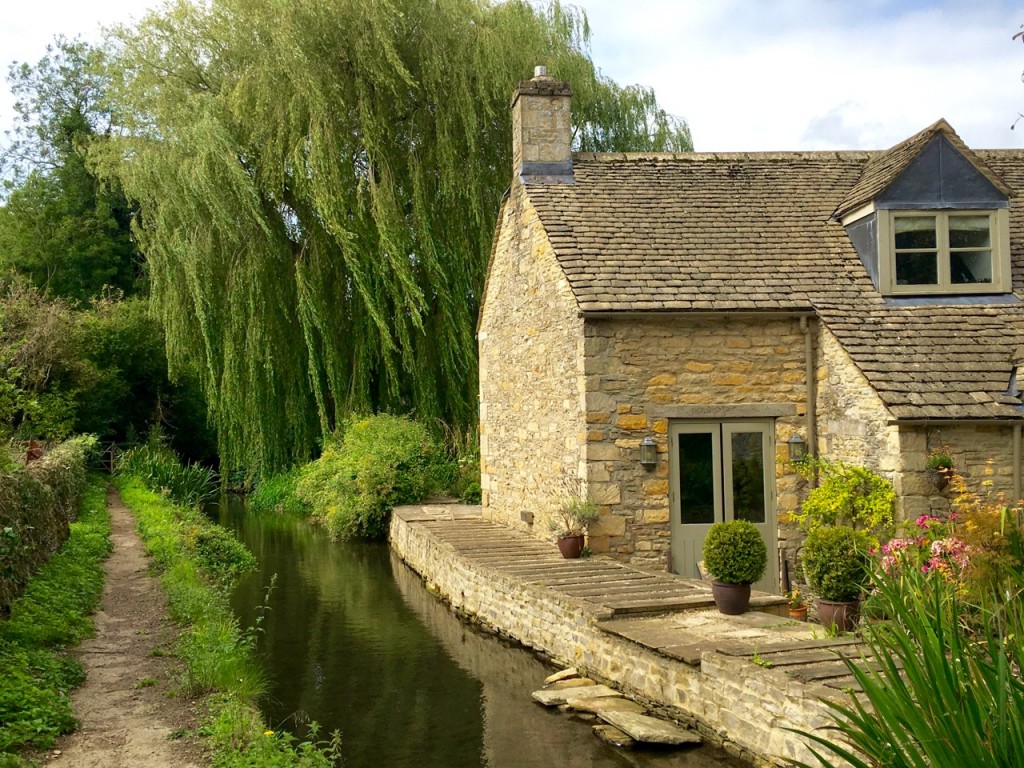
(160, 470)
(51, 614)
(218, 655)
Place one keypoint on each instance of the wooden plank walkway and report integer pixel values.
(667, 614)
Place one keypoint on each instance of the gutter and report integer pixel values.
(811, 379)
(657, 314)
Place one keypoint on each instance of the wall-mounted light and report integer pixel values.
(797, 448)
(648, 453)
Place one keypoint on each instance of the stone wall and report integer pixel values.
(982, 454)
(531, 374)
(853, 423)
(637, 371)
(734, 703)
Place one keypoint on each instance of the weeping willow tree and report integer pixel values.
(318, 182)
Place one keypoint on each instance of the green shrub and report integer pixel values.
(378, 463)
(463, 445)
(735, 553)
(37, 502)
(835, 562)
(847, 495)
(216, 550)
(53, 612)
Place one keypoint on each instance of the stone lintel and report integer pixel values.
(722, 411)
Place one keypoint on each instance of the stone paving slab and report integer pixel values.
(649, 730)
(557, 697)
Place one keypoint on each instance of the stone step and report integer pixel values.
(556, 698)
(650, 730)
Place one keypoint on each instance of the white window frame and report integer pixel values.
(999, 227)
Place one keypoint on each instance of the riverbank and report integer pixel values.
(743, 681)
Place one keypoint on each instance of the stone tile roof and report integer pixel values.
(734, 232)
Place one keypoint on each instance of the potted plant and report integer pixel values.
(569, 521)
(735, 555)
(939, 466)
(797, 605)
(836, 564)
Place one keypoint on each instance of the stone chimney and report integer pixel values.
(542, 130)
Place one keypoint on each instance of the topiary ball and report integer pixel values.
(735, 553)
(836, 562)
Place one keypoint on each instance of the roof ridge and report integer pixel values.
(612, 157)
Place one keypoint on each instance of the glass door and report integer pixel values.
(722, 470)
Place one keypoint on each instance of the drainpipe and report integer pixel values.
(1016, 462)
(810, 375)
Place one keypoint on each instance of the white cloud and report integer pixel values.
(769, 76)
(747, 74)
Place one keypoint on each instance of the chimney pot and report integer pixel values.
(540, 71)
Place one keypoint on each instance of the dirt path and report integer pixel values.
(126, 713)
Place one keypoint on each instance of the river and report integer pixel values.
(353, 640)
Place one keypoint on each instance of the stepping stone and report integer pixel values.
(649, 729)
(556, 698)
(612, 735)
(565, 674)
(572, 682)
(605, 704)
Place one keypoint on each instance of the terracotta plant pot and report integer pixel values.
(571, 547)
(731, 599)
(798, 614)
(842, 615)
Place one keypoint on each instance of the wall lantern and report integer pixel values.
(797, 449)
(648, 453)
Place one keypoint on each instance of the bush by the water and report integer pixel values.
(160, 470)
(54, 612)
(377, 463)
(37, 502)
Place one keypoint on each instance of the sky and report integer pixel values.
(747, 75)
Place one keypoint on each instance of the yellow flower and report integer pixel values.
(268, 733)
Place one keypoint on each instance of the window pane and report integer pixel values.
(696, 478)
(917, 268)
(748, 476)
(970, 267)
(969, 232)
(915, 232)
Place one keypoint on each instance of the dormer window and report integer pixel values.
(946, 252)
(929, 218)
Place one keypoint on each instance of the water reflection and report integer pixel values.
(354, 641)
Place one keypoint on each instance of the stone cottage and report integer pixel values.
(721, 305)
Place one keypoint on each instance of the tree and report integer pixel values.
(60, 227)
(318, 182)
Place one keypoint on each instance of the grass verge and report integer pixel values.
(218, 655)
(53, 613)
